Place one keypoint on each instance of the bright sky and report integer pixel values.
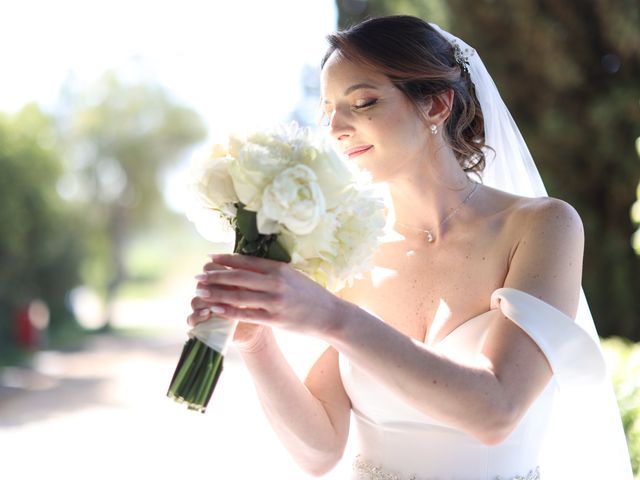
(236, 62)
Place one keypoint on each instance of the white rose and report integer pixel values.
(254, 168)
(362, 223)
(320, 243)
(294, 200)
(209, 181)
(334, 175)
(212, 225)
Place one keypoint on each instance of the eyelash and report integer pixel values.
(326, 114)
(367, 104)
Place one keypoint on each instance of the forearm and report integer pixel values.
(468, 397)
(298, 418)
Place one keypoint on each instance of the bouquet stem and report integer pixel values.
(196, 375)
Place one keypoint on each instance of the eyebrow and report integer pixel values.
(355, 87)
(358, 86)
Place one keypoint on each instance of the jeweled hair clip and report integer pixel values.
(462, 56)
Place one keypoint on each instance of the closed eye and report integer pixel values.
(365, 104)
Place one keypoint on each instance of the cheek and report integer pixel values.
(401, 133)
(413, 131)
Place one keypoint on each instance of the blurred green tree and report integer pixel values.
(569, 75)
(120, 139)
(39, 254)
(635, 210)
(354, 11)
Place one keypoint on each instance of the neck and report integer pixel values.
(423, 198)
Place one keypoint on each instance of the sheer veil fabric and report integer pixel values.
(585, 439)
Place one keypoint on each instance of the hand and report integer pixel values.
(265, 292)
(247, 336)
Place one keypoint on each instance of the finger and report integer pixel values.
(201, 301)
(209, 266)
(238, 279)
(199, 316)
(204, 314)
(246, 262)
(203, 288)
(249, 315)
(235, 297)
(198, 303)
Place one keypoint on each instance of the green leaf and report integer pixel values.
(278, 252)
(250, 248)
(246, 223)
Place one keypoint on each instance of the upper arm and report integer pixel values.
(324, 383)
(546, 263)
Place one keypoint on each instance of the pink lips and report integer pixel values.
(355, 151)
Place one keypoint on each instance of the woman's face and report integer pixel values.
(371, 120)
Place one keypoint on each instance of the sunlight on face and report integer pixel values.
(371, 120)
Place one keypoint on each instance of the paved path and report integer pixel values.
(101, 413)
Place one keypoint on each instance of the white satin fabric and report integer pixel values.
(405, 443)
(216, 333)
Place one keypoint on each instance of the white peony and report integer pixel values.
(361, 221)
(209, 181)
(293, 199)
(334, 175)
(341, 247)
(255, 165)
(212, 225)
(320, 243)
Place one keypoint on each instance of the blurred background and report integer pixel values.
(102, 104)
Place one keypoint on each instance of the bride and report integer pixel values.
(468, 351)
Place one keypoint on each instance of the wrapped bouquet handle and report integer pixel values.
(201, 363)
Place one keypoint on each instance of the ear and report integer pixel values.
(438, 108)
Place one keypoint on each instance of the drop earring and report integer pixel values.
(434, 129)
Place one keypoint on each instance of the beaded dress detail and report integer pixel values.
(398, 442)
(367, 471)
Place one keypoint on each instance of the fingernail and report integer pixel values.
(203, 293)
(216, 309)
(201, 277)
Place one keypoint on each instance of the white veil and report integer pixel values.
(585, 440)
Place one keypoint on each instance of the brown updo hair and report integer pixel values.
(421, 63)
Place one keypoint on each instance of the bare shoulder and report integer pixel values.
(548, 219)
(547, 256)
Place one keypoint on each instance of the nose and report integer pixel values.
(340, 125)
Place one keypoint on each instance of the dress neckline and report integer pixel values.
(460, 327)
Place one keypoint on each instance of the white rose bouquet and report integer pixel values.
(289, 197)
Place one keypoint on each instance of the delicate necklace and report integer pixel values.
(430, 236)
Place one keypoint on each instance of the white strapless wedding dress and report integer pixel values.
(398, 442)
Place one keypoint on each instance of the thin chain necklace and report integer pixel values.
(429, 233)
